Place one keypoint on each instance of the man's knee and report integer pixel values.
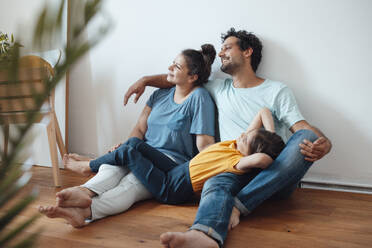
(302, 134)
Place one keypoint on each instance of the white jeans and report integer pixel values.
(117, 190)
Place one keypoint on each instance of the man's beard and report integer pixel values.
(228, 68)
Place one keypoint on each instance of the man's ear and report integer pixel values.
(248, 52)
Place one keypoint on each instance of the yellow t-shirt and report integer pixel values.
(215, 159)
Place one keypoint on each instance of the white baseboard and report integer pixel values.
(353, 188)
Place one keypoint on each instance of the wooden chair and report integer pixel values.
(16, 99)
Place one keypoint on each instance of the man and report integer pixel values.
(238, 100)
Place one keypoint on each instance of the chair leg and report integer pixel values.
(61, 145)
(51, 130)
(6, 138)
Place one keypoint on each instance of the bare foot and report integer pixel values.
(80, 167)
(78, 157)
(74, 197)
(235, 218)
(74, 216)
(189, 239)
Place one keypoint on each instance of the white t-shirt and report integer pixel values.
(238, 106)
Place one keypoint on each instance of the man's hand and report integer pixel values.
(114, 147)
(235, 218)
(315, 150)
(137, 88)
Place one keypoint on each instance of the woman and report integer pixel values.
(172, 121)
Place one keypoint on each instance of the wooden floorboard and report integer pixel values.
(310, 218)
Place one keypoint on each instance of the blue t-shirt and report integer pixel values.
(238, 106)
(171, 127)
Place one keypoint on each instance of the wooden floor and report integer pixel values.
(311, 218)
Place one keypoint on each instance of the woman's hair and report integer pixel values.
(267, 142)
(200, 62)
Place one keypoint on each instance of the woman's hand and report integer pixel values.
(114, 147)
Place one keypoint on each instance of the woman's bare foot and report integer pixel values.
(189, 239)
(80, 167)
(74, 216)
(74, 197)
(235, 218)
(79, 157)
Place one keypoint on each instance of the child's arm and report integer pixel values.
(256, 160)
(263, 118)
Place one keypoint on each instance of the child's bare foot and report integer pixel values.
(79, 157)
(74, 216)
(80, 167)
(189, 239)
(74, 197)
(235, 218)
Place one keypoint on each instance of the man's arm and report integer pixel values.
(313, 150)
(159, 81)
(256, 160)
(263, 118)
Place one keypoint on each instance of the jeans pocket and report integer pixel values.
(178, 122)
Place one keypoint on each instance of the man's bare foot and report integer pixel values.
(189, 239)
(79, 157)
(80, 167)
(74, 197)
(235, 218)
(74, 216)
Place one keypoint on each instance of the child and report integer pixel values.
(175, 184)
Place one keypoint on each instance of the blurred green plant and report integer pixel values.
(6, 48)
(14, 176)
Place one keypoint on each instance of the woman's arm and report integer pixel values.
(140, 129)
(263, 118)
(203, 141)
(256, 160)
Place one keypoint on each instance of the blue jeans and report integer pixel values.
(168, 182)
(279, 180)
(127, 154)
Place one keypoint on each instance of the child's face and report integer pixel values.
(244, 141)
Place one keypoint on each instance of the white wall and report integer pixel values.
(321, 49)
(19, 17)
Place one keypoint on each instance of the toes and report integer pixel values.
(41, 209)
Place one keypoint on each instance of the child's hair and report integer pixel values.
(268, 143)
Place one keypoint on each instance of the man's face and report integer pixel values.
(231, 55)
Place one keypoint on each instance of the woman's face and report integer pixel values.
(178, 72)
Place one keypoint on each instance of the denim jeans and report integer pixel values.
(168, 182)
(125, 154)
(120, 156)
(279, 180)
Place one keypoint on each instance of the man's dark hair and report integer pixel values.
(247, 40)
(200, 62)
(268, 143)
